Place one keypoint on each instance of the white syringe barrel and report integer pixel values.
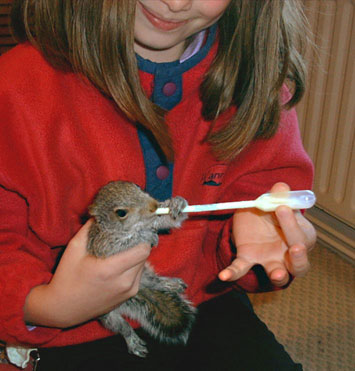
(294, 199)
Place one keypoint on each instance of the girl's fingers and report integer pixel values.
(291, 229)
(308, 230)
(130, 258)
(280, 187)
(300, 236)
(298, 260)
(125, 259)
(236, 270)
(77, 244)
(277, 273)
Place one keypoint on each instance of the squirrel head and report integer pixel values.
(121, 204)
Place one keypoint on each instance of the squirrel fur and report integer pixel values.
(124, 216)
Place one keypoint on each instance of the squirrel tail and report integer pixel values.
(166, 315)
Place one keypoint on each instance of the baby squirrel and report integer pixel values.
(124, 217)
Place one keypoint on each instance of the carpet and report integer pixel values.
(315, 317)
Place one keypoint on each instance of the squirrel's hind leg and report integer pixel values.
(116, 323)
(161, 283)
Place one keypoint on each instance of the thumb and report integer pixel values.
(130, 258)
(236, 270)
(77, 245)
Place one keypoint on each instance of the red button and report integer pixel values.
(162, 172)
(169, 89)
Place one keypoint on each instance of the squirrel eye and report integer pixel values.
(121, 213)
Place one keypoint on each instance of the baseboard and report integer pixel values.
(333, 233)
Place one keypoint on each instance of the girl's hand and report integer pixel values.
(278, 241)
(83, 286)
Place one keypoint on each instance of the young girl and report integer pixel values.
(182, 97)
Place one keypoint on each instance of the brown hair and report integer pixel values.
(258, 52)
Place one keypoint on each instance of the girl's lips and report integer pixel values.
(161, 23)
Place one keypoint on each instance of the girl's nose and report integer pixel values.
(178, 5)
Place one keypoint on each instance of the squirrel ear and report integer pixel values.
(94, 212)
(91, 210)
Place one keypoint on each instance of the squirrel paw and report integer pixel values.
(137, 346)
(176, 205)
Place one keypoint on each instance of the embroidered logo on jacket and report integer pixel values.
(214, 175)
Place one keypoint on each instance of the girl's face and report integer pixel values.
(162, 26)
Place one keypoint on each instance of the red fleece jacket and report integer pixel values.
(61, 140)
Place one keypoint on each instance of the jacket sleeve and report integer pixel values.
(279, 159)
(25, 262)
